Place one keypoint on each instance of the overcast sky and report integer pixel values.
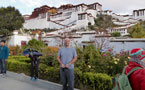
(117, 6)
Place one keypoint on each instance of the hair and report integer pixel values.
(67, 39)
(3, 41)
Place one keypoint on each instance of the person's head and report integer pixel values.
(3, 42)
(138, 54)
(67, 42)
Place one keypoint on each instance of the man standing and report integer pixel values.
(4, 53)
(66, 58)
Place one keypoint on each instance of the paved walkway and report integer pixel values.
(12, 84)
(15, 81)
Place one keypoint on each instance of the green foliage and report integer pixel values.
(114, 64)
(36, 44)
(97, 81)
(50, 60)
(49, 56)
(115, 34)
(142, 23)
(10, 19)
(49, 73)
(91, 27)
(15, 50)
(137, 31)
(90, 59)
(20, 59)
(17, 66)
(91, 69)
(104, 21)
(84, 81)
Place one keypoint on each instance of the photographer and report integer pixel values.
(34, 56)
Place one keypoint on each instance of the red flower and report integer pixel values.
(109, 50)
(49, 54)
(104, 54)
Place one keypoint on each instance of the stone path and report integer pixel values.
(15, 81)
(12, 84)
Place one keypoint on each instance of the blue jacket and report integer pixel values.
(4, 52)
(34, 52)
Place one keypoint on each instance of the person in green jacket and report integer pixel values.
(4, 53)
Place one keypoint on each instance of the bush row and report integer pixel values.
(83, 80)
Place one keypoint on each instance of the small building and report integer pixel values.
(18, 39)
(123, 29)
(139, 14)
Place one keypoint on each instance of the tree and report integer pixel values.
(10, 20)
(137, 31)
(115, 34)
(142, 23)
(104, 21)
(35, 44)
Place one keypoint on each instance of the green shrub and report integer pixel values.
(97, 81)
(115, 34)
(83, 80)
(49, 73)
(90, 59)
(19, 67)
(19, 58)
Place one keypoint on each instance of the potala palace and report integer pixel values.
(76, 17)
(72, 21)
(66, 16)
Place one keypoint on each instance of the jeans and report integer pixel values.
(34, 68)
(3, 66)
(67, 78)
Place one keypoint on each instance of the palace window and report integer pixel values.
(43, 15)
(81, 17)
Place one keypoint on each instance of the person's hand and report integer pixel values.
(62, 65)
(67, 65)
(27, 55)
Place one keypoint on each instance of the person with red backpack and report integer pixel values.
(137, 78)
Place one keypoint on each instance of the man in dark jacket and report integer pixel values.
(34, 56)
(4, 53)
(137, 78)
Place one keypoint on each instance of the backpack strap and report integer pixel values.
(134, 69)
(31, 53)
(124, 69)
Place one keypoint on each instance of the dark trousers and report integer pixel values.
(67, 78)
(34, 68)
(3, 66)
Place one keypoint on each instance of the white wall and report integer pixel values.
(40, 24)
(92, 12)
(17, 39)
(119, 46)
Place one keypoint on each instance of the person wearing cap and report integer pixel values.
(4, 53)
(137, 78)
(34, 56)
